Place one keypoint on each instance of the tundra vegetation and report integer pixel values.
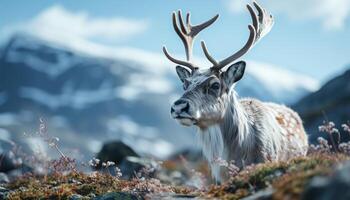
(66, 178)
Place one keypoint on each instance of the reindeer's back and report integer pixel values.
(293, 136)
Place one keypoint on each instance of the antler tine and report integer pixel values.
(180, 62)
(198, 28)
(177, 30)
(188, 20)
(240, 53)
(206, 53)
(261, 25)
(182, 25)
(187, 35)
(265, 20)
(254, 17)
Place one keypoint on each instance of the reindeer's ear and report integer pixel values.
(234, 73)
(183, 73)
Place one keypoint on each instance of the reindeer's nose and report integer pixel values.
(180, 106)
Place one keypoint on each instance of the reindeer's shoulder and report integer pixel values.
(280, 108)
(250, 102)
(253, 106)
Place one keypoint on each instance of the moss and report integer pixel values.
(264, 174)
(287, 178)
(59, 186)
(292, 186)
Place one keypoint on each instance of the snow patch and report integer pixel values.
(68, 98)
(8, 119)
(143, 139)
(144, 83)
(4, 135)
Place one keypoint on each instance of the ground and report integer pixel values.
(180, 178)
(286, 179)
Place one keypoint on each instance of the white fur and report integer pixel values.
(244, 130)
(246, 136)
(213, 147)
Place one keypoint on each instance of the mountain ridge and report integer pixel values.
(83, 96)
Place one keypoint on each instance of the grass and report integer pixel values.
(288, 179)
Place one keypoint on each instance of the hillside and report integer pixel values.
(87, 99)
(331, 102)
(316, 176)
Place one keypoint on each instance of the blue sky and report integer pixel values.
(310, 36)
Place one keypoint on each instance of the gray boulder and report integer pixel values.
(3, 178)
(8, 160)
(118, 196)
(119, 152)
(334, 187)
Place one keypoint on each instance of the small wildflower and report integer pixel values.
(233, 170)
(346, 127)
(221, 162)
(118, 172)
(322, 141)
(94, 162)
(329, 127)
(110, 163)
(54, 141)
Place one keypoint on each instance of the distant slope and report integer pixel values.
(332, 100)
(271, 83)
(89, 97)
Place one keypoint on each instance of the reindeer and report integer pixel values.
(246, 130)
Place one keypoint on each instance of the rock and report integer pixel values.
(3, 178)
(24, 169)
(75, 197)
(265, 194)
(129, 167)
(8, 160)
(3, 193)
(118, 196)
(119, 153)
(115, 151)
(334, 187)
(172, 197)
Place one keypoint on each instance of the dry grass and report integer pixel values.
(287, 179)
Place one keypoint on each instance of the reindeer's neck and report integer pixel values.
(218, 139)
(235, 126)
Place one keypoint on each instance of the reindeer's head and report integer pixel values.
(206, 90)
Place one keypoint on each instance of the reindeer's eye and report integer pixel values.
(215, 86)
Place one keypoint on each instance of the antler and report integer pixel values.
(187, 34)
(262, 24)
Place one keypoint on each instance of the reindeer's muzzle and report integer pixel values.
(180, 111)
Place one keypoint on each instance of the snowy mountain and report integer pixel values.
(89, 95)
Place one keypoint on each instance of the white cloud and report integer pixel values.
(156, 68)
(77, 31)
(287, 80)
(57, 23)
(332, 13)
